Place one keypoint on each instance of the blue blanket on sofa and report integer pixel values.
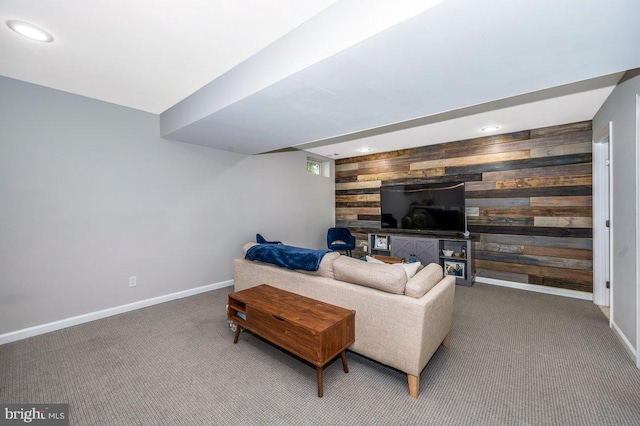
(289, 257)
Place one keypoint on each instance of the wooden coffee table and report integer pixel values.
(315, 331)
(389, 259)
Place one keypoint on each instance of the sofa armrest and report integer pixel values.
(424, 280)
(437, 319)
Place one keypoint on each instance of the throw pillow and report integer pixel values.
(338, 242)
(411, 268)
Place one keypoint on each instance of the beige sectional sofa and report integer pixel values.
(400, 321)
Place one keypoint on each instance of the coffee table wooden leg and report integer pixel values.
(320, 393)
(235, 338)
(345, 366)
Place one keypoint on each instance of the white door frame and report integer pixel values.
(637, 145)
(602, 241)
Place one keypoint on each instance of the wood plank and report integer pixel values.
(347, 173)
(365, 231)
(354, 205)
(562, 211)
(567, 253)
(479, 186)
(427, 151)
(346, 216)
(520, 164)
(354, 198)
(343, 179)
(562, 129)
(542, 271)
(400, 166)
(499, 248)
(564, 222)
(500, 220)
(413, 174)
(357, 204)
(578, 180)
(575, 135)
(435, 179)
(541, 143)
(358, 185)
(394, 164)
(398, 154)
(390, 168)
(489, 140)
(573, 243)
(553, 151)
(472, 211)
(473, 160)
(359, 210)
(533, 230)
(357, 224)
(346, 167)
(582, 200)
(552, 191)
(496, 202)
(571, 169)
(556, 262)
(502, 275)
(358, 191)
(561, 283)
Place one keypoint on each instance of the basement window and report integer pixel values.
(318, 167)
(314, 166)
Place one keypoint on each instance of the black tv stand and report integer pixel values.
(428, 247)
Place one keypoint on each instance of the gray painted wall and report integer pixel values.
(90, 195)
(620, 108)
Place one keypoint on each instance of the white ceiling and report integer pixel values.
(561, 105)
(330, 76)
(143, 54)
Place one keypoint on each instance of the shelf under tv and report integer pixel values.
(427, 247)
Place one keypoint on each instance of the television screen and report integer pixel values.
(428, 207)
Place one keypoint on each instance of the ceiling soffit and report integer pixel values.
(455, 55)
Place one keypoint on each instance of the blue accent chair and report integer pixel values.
(341, 239)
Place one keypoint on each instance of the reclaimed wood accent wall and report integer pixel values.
(528, 198)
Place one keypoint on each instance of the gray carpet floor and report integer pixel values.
(516, 358)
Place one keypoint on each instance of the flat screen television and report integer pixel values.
(424, 207)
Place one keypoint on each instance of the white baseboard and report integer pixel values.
(625, 342)
(537, 288)
(92, 316)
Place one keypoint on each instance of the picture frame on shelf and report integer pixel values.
(457, 269)
(381, 242)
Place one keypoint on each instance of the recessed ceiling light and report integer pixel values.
(30, 31)
(364, 149)
(489, 128)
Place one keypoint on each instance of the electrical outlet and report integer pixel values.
(365, 248)
(132, 282)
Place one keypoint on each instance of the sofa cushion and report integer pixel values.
(326, 266)
(389, 278)
(410, 268)
(424, 280)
